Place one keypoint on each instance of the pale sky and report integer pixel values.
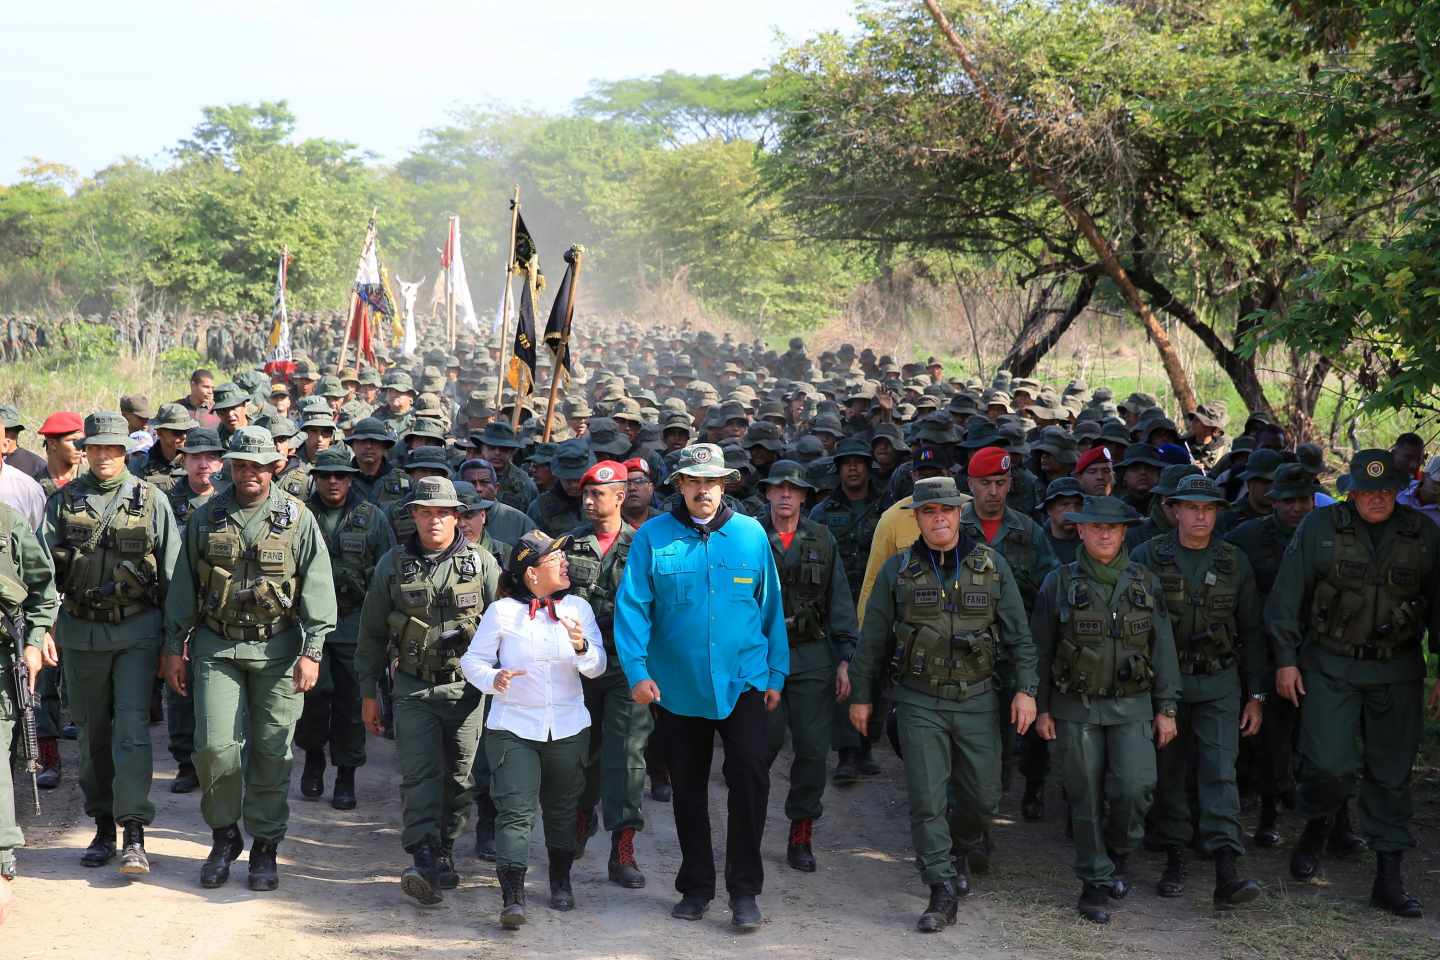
(85, 82)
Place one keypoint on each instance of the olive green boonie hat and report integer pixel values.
(173, 416)
(1293, 481)
(435, 492)
(787, 471)
(253, 444)
(229, 395)
(336, 459)
(1103, 510)
(703, 460)
(203, 440)
(1373, 470)
(106, 429)
(937, 490)
(1197, 488)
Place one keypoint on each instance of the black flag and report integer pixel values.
(525, 249)
(524, 353)
(562, 311)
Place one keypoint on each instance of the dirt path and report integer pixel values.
(339, 895)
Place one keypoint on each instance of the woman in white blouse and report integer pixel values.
(530, 651)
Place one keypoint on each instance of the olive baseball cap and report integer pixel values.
(941, 490)
(254, 444)
(1375, 470)
(137, 405)
(1103, 510)
(106, 429)
(435, 492)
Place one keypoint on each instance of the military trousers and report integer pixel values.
(332, 710)
(1360, 739)
(110, 702)
(47, 693)
(1274, 748)
(180, 718)
(1109, 775)
(527, 775)
(615, 760)
(1196, 790)
(952, 757)
(245, 715)
(843, 736)
(10, 834)
(437, 734)
(807, 709)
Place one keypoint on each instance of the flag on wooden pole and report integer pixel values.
(562, 312)
(453, 258)
(522, 359)
(280, 356)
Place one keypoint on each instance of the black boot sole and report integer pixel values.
(1247, 892)
(414, 885)
(629, 883)
(133, 866)
(88, 859)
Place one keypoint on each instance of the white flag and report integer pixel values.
(280, 329)
(408, 293)
(465, 315)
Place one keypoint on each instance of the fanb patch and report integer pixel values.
(466, 600)
(976, 600)
(1139, 626)
(272, 556)
(927, 597)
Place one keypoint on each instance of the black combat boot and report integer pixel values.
(264, 871)
(1266, 835)
(1172, 880)
(226, 845)
(1389, 893)
(343, 796)
(561, 896)
(185, 779)
(446, 875)
(623, 868)
(421, 880)
(1120, 882)
(512, 896)
(847, 768)
(1344, 842)
(1231, 890)
(960, 886)
(865, 761)
(940, 911)
(1305, 858)
(102, 849)
(1094, 901)
(133, 861)
(485, 827)
(312, 780)
(1032, 805)
(798, 852)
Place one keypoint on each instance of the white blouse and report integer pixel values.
(547, 703)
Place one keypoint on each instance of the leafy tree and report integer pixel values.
(681, 108)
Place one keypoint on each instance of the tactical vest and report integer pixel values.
(512, 489)
(390, 488)
(853, 532)
(295, 481)
(107, 572)
(1206, 636)
(1266, 561)
(597, 579)
(1104, 652)
(946, 633)
(248, 592)
(1371, 608)
(157, 472)
(402, 518)
(182, 501)
(804, 578)
(351, 559)
(558, 514)
(434, 616)
(1019, 552)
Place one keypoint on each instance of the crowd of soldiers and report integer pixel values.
(1154, 614)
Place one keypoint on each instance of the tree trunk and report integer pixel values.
(1044, 327)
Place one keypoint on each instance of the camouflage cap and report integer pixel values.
(106, 429)
(229, 395)
(1212, 414)
(202, 440)
(399, 380)
(606, 437)
(1292, 482)
(335, 459)
(1108, 510)
(1062, 487)
(426, 428)
(572, 459)
(703, 460)
(426, 458)
(373, 428)
(1197, 488)
(173, 416)
(853, 447)
(1262, 465)
(255, 445)
(936, 490)
(498, 433)
(807, 449)
(331, 387)
(10, 417)
(762, 433)
(369, 377)
(305, 370)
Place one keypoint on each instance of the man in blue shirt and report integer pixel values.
(700, 630)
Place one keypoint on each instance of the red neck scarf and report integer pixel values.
(547, 604)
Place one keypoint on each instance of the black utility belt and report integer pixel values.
(248, 632)
(111, 615)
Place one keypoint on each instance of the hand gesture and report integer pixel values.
(576, 632)
(503, 678)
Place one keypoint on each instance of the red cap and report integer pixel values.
(606, 471)
(1094, 455)
(988, 462)
(59, 424)
(638, 465)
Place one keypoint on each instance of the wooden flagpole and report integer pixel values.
(355, 295)
(577, 254)
(526, 386)
(505, 301)
(451, 243)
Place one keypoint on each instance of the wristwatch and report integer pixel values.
(1169, 711)
(1259, 697)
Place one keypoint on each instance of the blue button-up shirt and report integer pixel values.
(701, 617)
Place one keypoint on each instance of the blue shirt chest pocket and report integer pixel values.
(738, 580)
(676, 580)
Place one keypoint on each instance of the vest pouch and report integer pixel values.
(465, 598)
(1134, 676)
(132, 581)
(218, 587)
(222, 548)
(1085, 672)
(415, 637)
(352, 544)
(395, 626)
(900, 656)
(132, 540)
(270, 600)
(64, 556)
(1323, 607)
(973, 655)
(584, 571)
(12, 594)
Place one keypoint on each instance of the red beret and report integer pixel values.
(606, 471)
(638, 465)
(59, 424)
(1094, 455)
(988, 462)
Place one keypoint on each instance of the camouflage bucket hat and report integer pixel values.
(1062, 487)
(229, 395)
(435, 492)
(255, 445)
(572, 459)
(703, 460)
(787, 471)
(1103, 510)
(106, 429)
(173, 416)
